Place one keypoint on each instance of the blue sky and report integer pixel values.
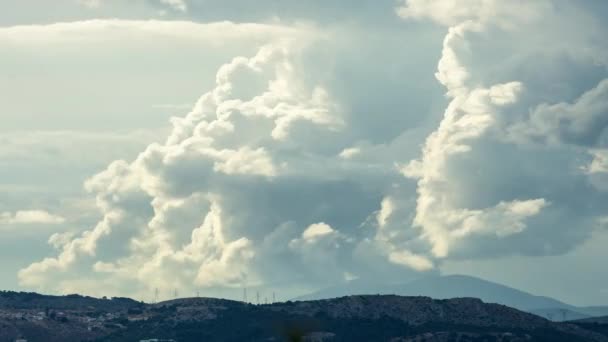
(212, 145)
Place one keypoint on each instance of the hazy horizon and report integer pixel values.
(211, 146)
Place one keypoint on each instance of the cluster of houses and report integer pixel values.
(92, 322)
(23, 315)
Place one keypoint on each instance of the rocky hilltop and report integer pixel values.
(352, 318)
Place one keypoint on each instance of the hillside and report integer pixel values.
(353, 318)
(60, 318)
(30, 300)
(597, 324)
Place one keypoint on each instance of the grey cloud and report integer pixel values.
(583, 122)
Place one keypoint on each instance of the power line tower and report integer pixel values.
(245, 295)
(198, 294)
(274, 298)
(257, 297)
(156, 295)
(175, 293)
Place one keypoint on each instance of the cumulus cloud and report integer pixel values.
(350, 152)
(468, 117)
(478, 114)
(597, 169)
(153, 207)
(58, 240)
(414, 261)
(269, 180)
(316, 230)
(599, 164)
(30, 217)
(386, 210)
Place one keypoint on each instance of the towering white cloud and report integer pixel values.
(472, 111)
(170, 214)
(279, 175)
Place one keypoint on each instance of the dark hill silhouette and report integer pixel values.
(351, 318)
(601, 320)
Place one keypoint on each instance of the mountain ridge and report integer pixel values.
(451, 286)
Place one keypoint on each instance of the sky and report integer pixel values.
(286, 146)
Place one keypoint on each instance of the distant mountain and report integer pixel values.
(581, 313)
(454, 286)
(559, 315)
(442, 287)
(594, 311)
(354, 318)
